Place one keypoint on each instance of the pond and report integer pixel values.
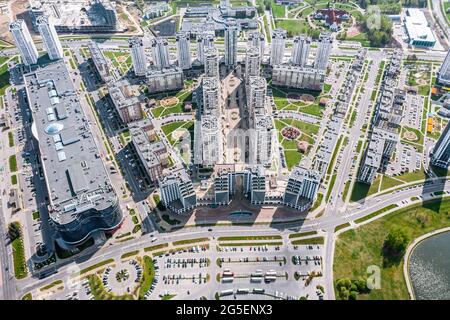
(429, 268)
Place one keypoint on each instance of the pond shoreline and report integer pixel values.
(408, 253)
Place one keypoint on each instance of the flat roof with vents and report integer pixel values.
(74, 171)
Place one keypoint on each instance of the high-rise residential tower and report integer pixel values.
(204, 40)
(211, 59)
(252, 63)
(300, 50)
(278, 46)
(443, 76)
(256, 39)
(440, 156)
(138, 56)
(24, 43)
(50, 37)
(183, 50)
(256, 95)
(324, 47)
(231, 37)
(160, 53)
(301, 189)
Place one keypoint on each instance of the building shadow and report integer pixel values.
(434, 185)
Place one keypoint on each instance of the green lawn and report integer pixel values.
(294, 27)
(99, 292)
(10, 139)
(317, 240)
(13, 163)
(360, 248)
(147, 277)
(20, 266)
(362, 190)
(14, 179)
(278, 11)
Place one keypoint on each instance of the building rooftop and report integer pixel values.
(74, 171)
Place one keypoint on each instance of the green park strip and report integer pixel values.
(359, 248)
(250, 244)
(27, 296)
(97, 265)
(20, 266)
(240, 238)
(302, 234)
(99, 292)
(376, 213)
(10, 139)
(316, 240)
(129, 254)
(147, 277)
(12, 163)
(156, 247)
(189, 241)
(14, 179)
(51, 285)
(341, 226)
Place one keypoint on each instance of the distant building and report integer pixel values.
(138, 56)
(418, 28)
(323, 52)
(183, 50)
(278, 46)
(291, 76)
(128, 106)
(333, 17)
(168, 79)
(177, 191)
(300, 51)
(152, 152)
(50, 38)
(81, 16)
(301, 189)
(156, 10)
(160, 53)
(231, 37)
(24, 43)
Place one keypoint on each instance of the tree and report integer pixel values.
(396, 241)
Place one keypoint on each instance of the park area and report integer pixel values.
(300, 100)
(359, 248)
(171, 103)
(296, 137)
(121, 60)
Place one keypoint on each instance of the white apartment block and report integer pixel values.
(138, 56)
(278, 46)
(300, 50)
(287, 75)
(256, 39)
(204, 40)
(50, 38)
(231, 38)
(24, 43)
(183, 50)
(324, 46)
(211, 61)
(160, 53)
(211, 95)
(252, 63)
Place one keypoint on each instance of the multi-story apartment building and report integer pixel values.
(168, 79)
(287, 75)
(211, 61)
(252, 63)
(183, 50)
(50, 38)
(177, 191)
(128, 106)
(300, 50)
(278, 46)
(160, 53)
(324, 46)
(231, 37)
(301, 188)
(138, 56)
(24, 43)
